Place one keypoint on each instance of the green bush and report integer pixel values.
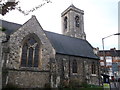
(74, 84)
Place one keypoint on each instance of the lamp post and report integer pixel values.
(105, 69)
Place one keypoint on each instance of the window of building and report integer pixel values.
(93, 67)
(101, 58)
(65, 22)
(108, 58)
(108, 63)
(101, 63)
(74, 66)
(30, 53)
(77, 21)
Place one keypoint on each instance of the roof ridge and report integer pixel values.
(64, 35)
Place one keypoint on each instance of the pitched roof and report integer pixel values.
(61, 43)
(71, 46)
(9, 26)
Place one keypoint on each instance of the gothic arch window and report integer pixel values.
(93, 67)
(30, 53)
(74, 66)
(77, 21)
(65, 22)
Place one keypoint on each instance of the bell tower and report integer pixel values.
(73, 22)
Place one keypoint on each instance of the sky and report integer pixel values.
(119, 25)
(100, 18)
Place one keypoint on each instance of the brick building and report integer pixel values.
(33, 57)
(112, 57)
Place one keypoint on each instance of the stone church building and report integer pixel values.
(33, 57)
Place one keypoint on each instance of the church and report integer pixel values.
(33, 57)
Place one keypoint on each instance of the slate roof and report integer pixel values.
(9, 26)
(71, 46)
(61, 43)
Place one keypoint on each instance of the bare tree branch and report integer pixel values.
(26, 12)
(5, 7)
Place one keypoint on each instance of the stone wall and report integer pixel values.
(84, 73)
(71, 29)
(3, 55)
(28, 79)
(16, 41)
(13, 58)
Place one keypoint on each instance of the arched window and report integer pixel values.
(65, 22)
(93, 68)
(30, 53)
(77, 21)
(74, 66)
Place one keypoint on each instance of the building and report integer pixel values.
(112, 57)
(33, 57)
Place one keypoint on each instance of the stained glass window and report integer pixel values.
(24, 55)
(30, 53)
(36, 56)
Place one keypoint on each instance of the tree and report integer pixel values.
(5, 7)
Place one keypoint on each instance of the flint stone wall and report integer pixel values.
(84, 71)
(27, 78)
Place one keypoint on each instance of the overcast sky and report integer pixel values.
(100, 18)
